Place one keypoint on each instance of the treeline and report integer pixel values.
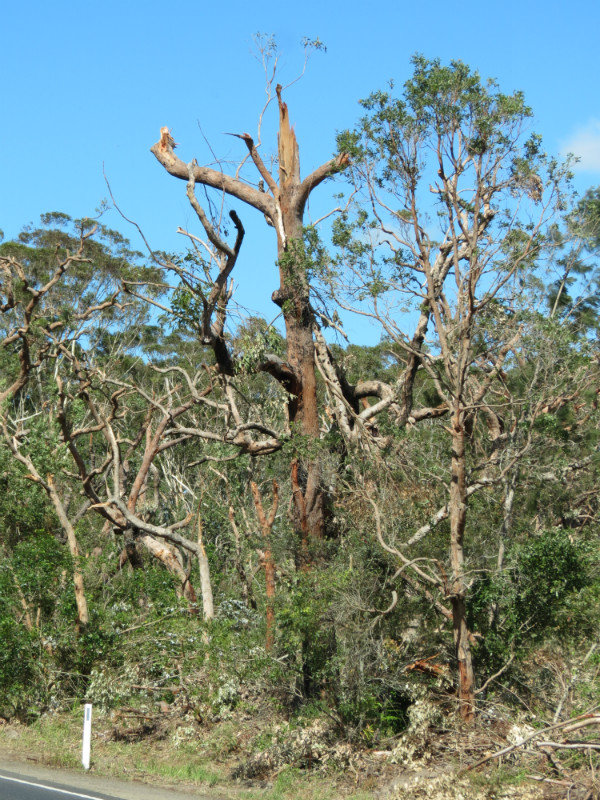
(247, 507)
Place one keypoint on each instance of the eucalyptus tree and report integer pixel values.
(281, 199)
(60, 286)
(41, 266)
(454, 203)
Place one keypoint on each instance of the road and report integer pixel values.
(21, 782)
(17, 787)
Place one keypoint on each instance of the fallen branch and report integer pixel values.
(553, 781)
(592, 720)
(523, 742)
(570, 745)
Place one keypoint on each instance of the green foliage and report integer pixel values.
(254, 341)
(19, 670)
(537, 598)
(548, 569)
(438, 101)
(106, 254)
(23, 508)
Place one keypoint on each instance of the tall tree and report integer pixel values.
(282, 202)
(60, 287)
(460, 206)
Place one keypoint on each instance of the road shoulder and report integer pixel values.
(89, 782)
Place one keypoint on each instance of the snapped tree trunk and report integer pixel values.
(293, 296)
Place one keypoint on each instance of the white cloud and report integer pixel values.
(585, 143)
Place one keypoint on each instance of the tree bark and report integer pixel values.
(208, 606)
(82, 608)
(266, 525)
(458, 518)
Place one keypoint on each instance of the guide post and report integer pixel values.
(87, 735)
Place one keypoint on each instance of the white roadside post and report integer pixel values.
(87, 735)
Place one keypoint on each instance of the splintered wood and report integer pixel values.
(289, 158)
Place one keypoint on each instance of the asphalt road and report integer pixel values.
(19, 787)
(20, 782)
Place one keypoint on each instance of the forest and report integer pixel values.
(207, 513)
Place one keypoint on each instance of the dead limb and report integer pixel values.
(535, 735)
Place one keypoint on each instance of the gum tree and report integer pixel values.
(454, 202)
(53, 285)
(63, 321)
(281, 198)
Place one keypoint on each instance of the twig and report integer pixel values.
(570, 745)
(495, 675)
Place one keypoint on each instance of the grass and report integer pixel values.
(291, 783)
(204, 762)
(497, 777)
(185, 773)
(56, 741)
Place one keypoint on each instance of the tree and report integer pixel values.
(452, 151)
(60, 289)
(434, 427)
(283, 203)
(34, 326)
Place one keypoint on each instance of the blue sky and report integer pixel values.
(91, 83)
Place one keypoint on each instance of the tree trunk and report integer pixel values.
(458, 518)
(283, 206)
(293, 296)
(208, 607)
(266, 525)
(82, 609)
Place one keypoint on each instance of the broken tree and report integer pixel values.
(283, 204)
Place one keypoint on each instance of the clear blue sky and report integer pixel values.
(87, 83)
